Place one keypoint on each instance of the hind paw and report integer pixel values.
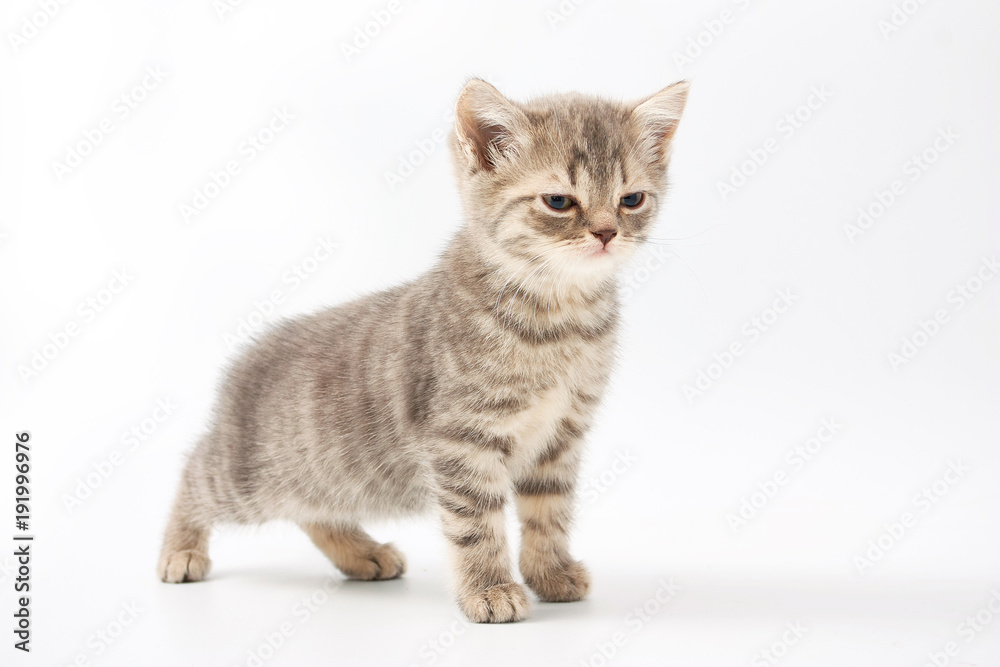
(380, 562)
(184, 566)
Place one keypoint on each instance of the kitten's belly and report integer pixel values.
(386, 489)
(398, 485)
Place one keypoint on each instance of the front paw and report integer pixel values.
(503, 603)
(566, 583)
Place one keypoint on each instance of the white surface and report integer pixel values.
(661, 517)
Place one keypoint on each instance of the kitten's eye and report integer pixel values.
(633, 200)
(558, 202)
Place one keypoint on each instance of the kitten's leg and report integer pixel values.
(472, 488)
(545, 501)
(184, 556)
(355, 553)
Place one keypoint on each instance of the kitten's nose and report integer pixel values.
(605, 235)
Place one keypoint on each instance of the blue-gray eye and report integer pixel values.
(632, 200)
(557, 202)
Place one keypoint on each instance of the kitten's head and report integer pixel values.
(562, 188)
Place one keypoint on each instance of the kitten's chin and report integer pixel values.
(590, 265)
(614, 254)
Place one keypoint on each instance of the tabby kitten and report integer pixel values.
(463, 389)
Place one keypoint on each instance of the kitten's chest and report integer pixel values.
(534, 428)
(573, 376)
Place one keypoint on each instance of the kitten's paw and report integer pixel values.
(380, 562)
(181, 566)
(567, 584)
(503, 603)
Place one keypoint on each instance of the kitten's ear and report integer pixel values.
(658, 116)
(486, 125)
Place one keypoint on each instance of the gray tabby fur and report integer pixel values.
(463, 390)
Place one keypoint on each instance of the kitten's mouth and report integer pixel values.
(599, 251)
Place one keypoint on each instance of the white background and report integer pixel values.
(662, 517)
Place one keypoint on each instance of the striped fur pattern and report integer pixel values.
(467, 391)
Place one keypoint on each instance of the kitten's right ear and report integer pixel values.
(658, 117)
(486, 125)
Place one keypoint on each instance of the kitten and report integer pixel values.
(464, 389)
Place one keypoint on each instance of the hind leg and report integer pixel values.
(184, 556)
(355, 553)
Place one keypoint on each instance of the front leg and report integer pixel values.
(545, 499)
(472, 486)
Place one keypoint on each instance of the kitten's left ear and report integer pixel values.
(486, 124)
(658, 117)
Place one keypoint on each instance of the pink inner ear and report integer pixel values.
(488, 142)
(656, 134)
(664, 133)
(495, 140)
(486, 121)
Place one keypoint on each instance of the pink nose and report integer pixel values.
(605, 235)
